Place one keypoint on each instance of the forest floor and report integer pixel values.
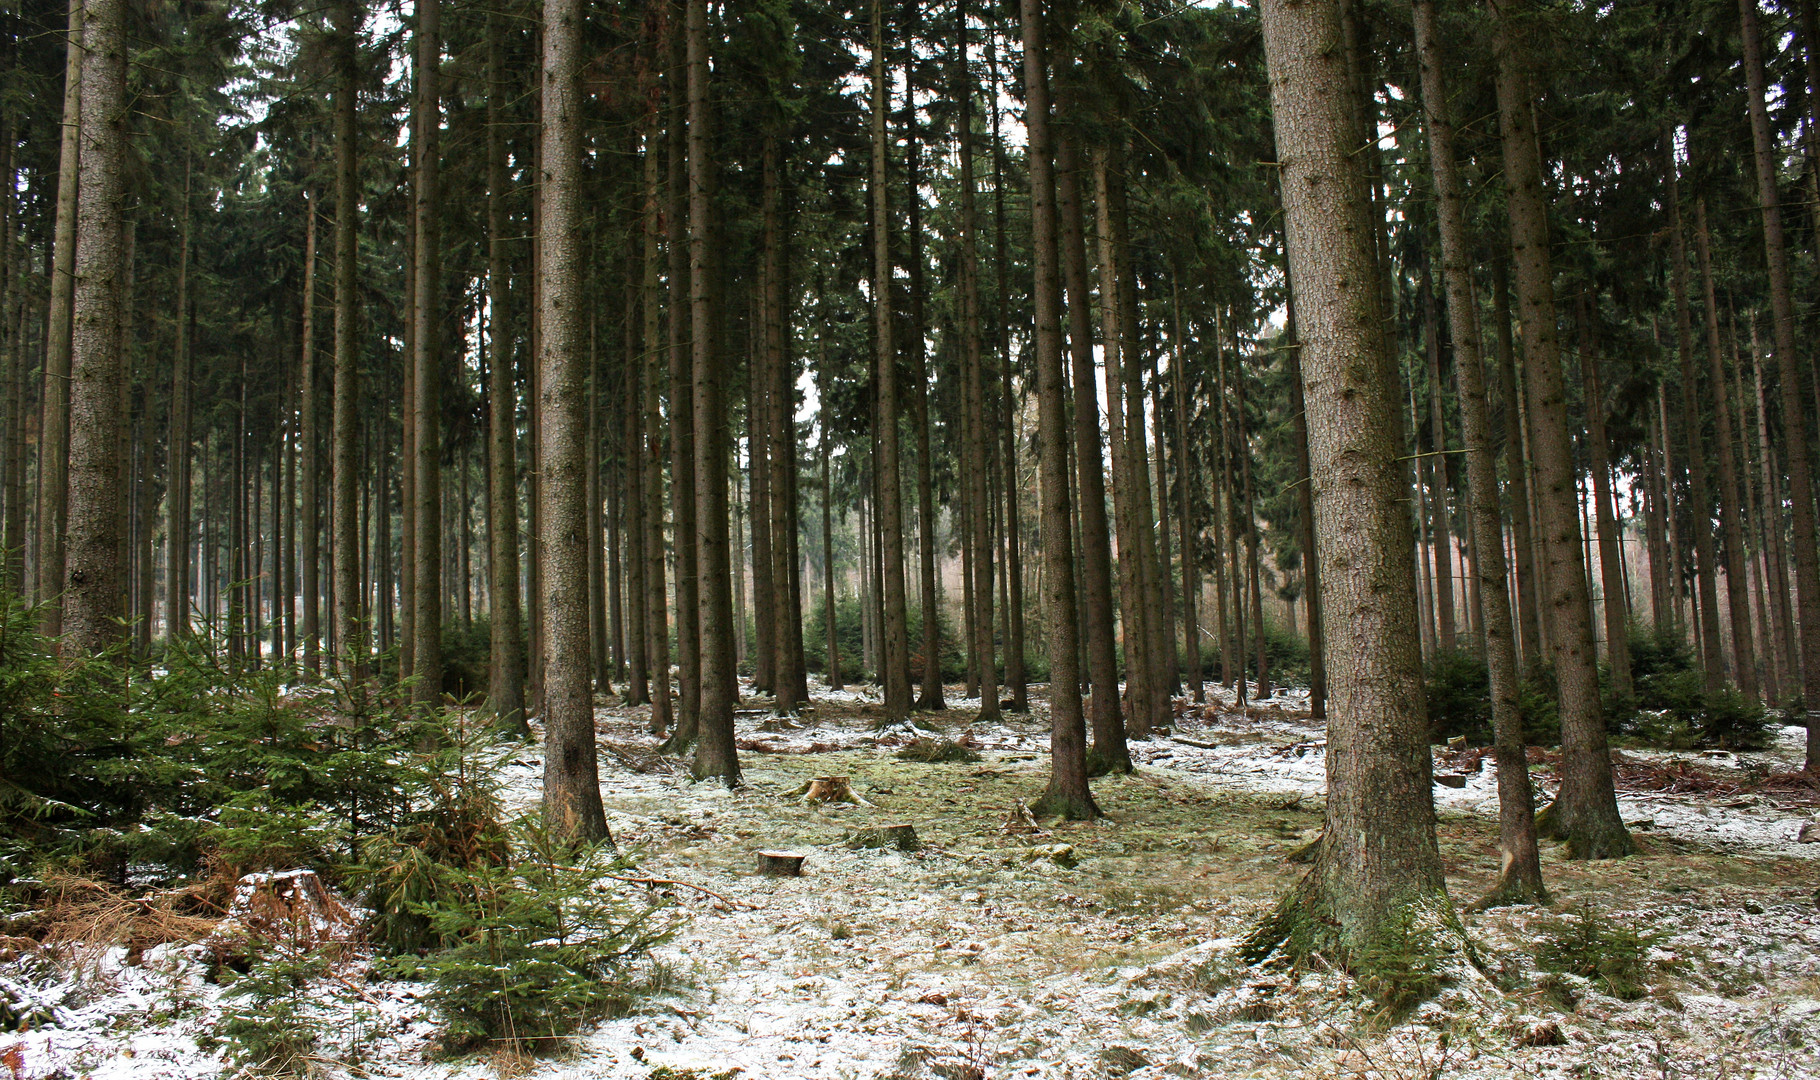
(1104, 949)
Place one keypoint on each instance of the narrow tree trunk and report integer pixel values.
(1611, 565)
(655, 359)
(54, 430)
(1705, 571)
(1520, 871)
(1772, 527)
(895, 663)
(682, 415)
(929, 696)
(1448, 639)
(1585, 812)
(1378, 867)
(1095, 555)
(1186, 474)
(1527, 596)
(178, 534)
(714, 752)
(350, 628)
(977, 496)
(308, 480)
(426, 363)
(1794, 423)
(632, 500)
(1012, 556)
(506, 690)
(1067, 795)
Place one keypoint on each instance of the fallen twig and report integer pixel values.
(672, 881)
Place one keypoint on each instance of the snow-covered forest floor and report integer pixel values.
(1083, 950)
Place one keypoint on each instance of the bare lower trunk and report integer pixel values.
(978, 506)
(92, 608)
(350, 626)
(714, 752)
(571, 795)
(54, 429)
(1520, 872)
(506, 691)
(1378, 870)
(895, 662)
(1067, 795)
(1585, 812)
(426, 372)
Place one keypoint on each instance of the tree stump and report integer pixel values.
(1452, 780)
(829, 789)
(780, 864)
(901, 837)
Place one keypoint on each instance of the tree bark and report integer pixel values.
(177, 528)
(978, 496)
(1447, 638)
(1705, 570)
(1095, 555)
(1520, 871)
(715, 755)
(350, 627)
(1067, 795)
(1012, 556)
(1186, 474)
(1794, 423)
(426, 361)
(571, 795)
(54, 429)
(657, 620)
(929, 696)
(1585, 812)
(1611, 565)
(506, 690)
(92, 608)
(682, 415)
(895, 663)
(1378, 868)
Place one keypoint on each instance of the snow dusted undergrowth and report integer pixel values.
(971, 959)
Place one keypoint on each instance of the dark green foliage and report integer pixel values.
(535, 941)
(1459, 701)
(849, 636)
(268, 1024)
(1612, 953)
(1674, 710)
(466, 654)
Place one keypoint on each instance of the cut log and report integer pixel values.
(901, 837)
(829, 789)
(780, 863)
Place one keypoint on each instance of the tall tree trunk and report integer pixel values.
(1012, 555)
(92, 608)
(632, 499)
(714, 752)
(1186, 474)
(788, 677)
(1095, 552)
(655, 359)
(426, 362)
(1520, 871)
(309, 482)
(54, 430)
(1705, 570)
(1611, 564)
(1772, 525)
(1067, 795)
(1526, 597)
(350, 627)
(682, 412)
(1311, 576)
(978, 496)
(506, 690)
(929, 695)
(571, 781)
(830, 631)
(1378, 864)
(895, 663)
(177, 530)
(1585, 812)
(1447, 639)
(1794, 424)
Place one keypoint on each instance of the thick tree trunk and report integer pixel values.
(1379, 869)
(1585, 812)
(1794, 423)
(92, 608)
(506, 689)
(1067, 795)
(1520, 872)
(571, 793)
(715, 755)
(895, 663)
